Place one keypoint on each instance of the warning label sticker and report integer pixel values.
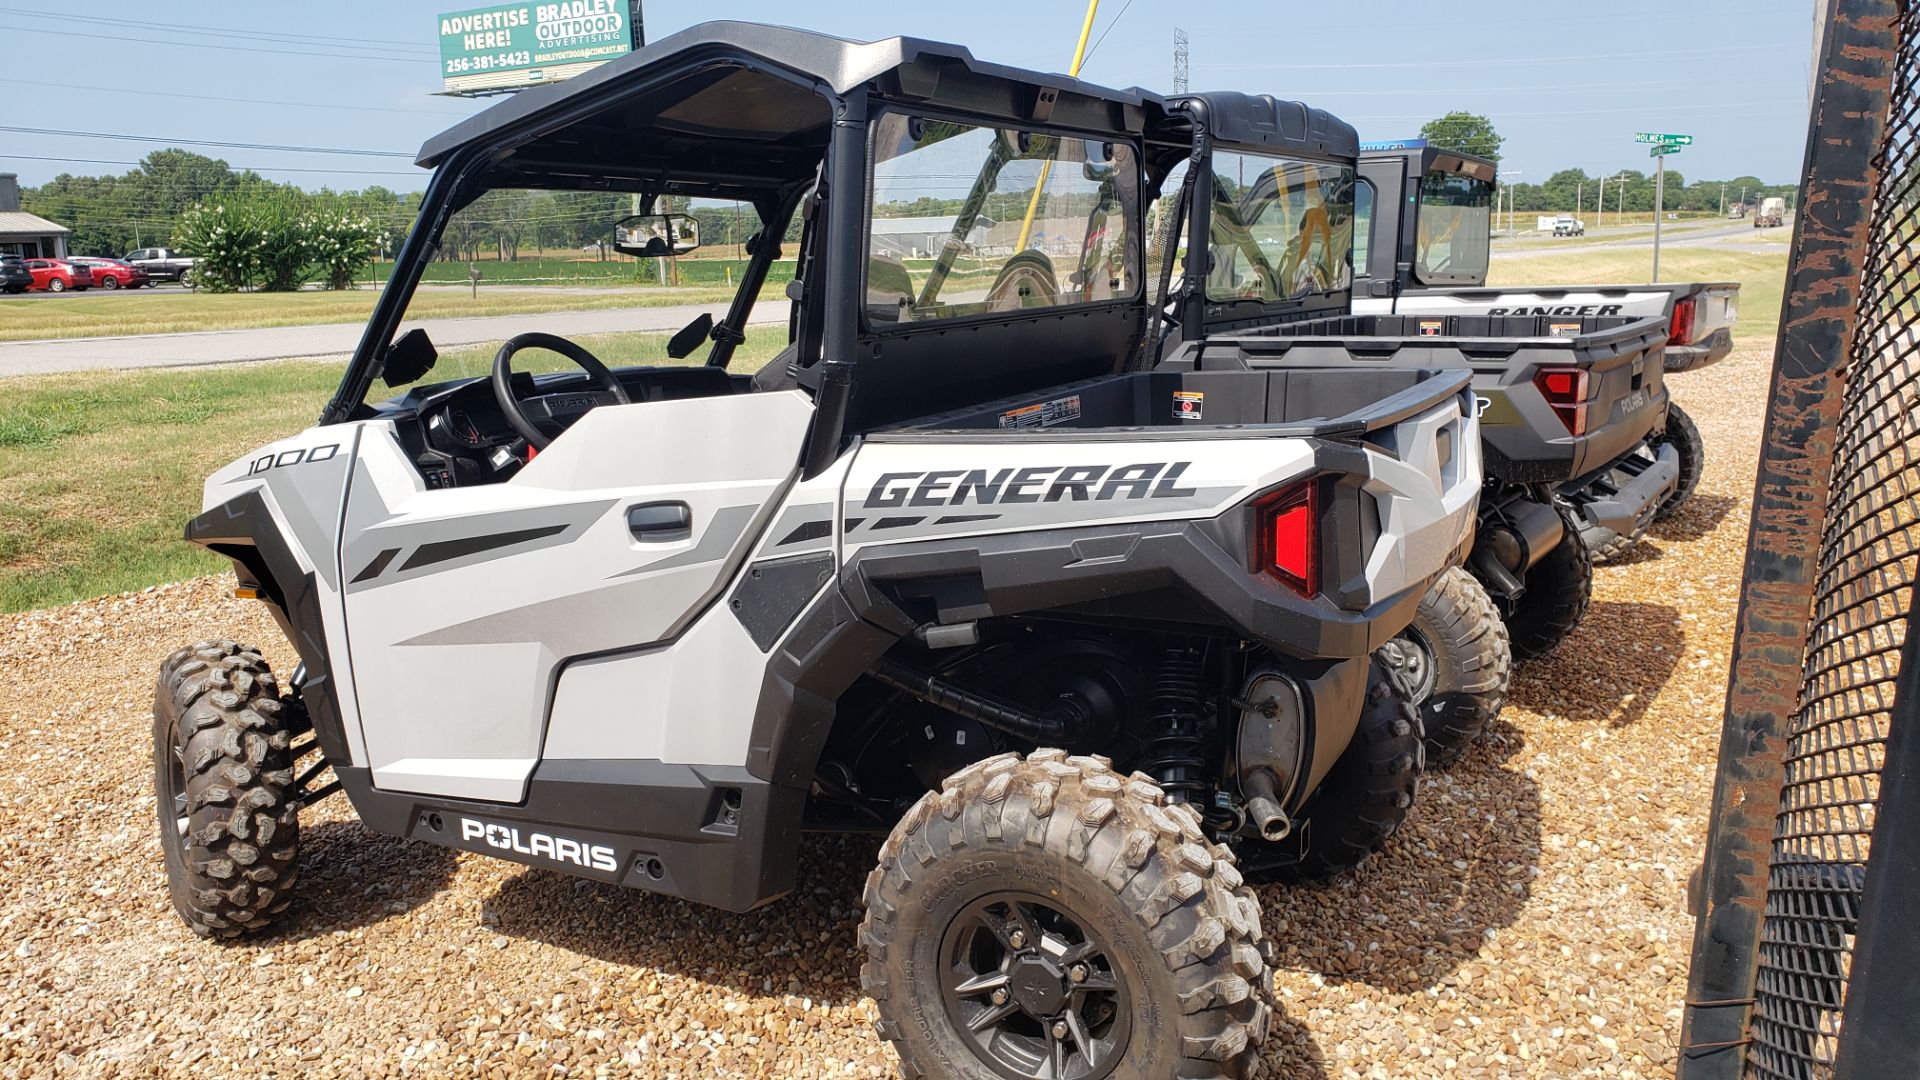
(1188, 404)
(1563, 329)
(1043, 414)
(1431, 327)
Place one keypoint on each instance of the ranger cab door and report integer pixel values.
(464, 605)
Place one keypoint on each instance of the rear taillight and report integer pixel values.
(1566, 391)
(1288, 544)
(1680, 331)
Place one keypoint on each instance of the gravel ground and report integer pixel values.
(1528, 922)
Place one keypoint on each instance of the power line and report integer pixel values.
(204, 142)
(1104, 33)
(262, 35)
(225, 48)
(144, 92)
(238, 168)
(1511, 60)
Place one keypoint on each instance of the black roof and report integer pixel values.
(1427, 158)
(1269, 123)
(837, 63)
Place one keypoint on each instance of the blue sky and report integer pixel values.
(1567, 83)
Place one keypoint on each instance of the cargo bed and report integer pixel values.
(1514, 360)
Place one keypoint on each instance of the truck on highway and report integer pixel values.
(1568, 225)
(1773, 213)
(1421, 248)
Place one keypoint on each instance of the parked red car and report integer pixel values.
(58, 275)
(112, 273)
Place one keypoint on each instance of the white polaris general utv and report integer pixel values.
(948, 567)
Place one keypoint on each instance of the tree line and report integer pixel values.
(1577, 189)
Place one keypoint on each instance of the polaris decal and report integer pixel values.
(556, 848)
(1559, 309)
(1038, 483)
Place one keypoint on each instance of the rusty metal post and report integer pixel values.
(1817, 323)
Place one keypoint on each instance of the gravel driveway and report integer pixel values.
(1528, 922)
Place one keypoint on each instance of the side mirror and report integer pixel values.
(656, 236)
(408, 358)
(689, 337)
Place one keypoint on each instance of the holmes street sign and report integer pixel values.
(1657, 137)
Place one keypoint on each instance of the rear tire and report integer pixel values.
(223, 777)
(1455, 662)
(1559, 588)
(110, 283)
(1363, 801)
(1684, 436)
(1112, 880)
(56, 285)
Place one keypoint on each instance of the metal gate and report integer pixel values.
(1806, 961)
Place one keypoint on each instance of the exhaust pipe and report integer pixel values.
(1272, 739)
(1263, 807)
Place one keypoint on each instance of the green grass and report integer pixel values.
(100, 471)
(169, 312)
(1762, 277)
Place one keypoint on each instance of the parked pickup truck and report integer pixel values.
(1434, 261)
(163, 264)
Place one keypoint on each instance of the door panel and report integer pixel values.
(463, 603)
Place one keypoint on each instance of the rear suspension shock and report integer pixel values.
(1175, 752)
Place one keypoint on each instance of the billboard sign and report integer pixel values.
(506, 46)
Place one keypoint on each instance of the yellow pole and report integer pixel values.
(1046, 167)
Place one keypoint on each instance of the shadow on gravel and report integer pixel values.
(1408, 919)
(1610, 669)
(352, 877)
(1697, 517)
(805, 943)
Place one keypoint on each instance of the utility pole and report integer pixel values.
(1579, 196)
(1659, 204)
(1723, 200)
(1179, 61)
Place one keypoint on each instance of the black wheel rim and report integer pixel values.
(1412, 655)
(177, 790)
(1032, 992)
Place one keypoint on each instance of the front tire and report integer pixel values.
(1048, 917)
(1363, 800)
(1684, 436)
(1455, 662)
(223, 777)
(1559, 588)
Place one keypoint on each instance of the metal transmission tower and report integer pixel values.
(1179, 61)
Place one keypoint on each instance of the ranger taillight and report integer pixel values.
(1566, 390)
(1680, 330)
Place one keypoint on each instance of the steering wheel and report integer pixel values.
(542, 417)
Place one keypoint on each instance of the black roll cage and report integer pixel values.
(828, 316)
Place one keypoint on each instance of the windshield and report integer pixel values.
(521, 259)
(969, 220)
(1451, 236)
(1281, 228)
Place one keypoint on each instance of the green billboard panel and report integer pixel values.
(511, 45)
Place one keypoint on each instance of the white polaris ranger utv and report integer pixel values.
(945, 567)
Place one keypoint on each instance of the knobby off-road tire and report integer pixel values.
(1684, 436)
(1167, 920)
(1363, 800)
(1559, 587)
(221, 762)
(1605, 545)
(1458, 664)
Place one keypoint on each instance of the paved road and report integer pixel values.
(330, 339)
(1741, 236)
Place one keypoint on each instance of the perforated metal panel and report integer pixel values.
(1826, 604)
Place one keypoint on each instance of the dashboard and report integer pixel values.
(457, 435)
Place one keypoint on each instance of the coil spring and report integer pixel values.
(1175, 752)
